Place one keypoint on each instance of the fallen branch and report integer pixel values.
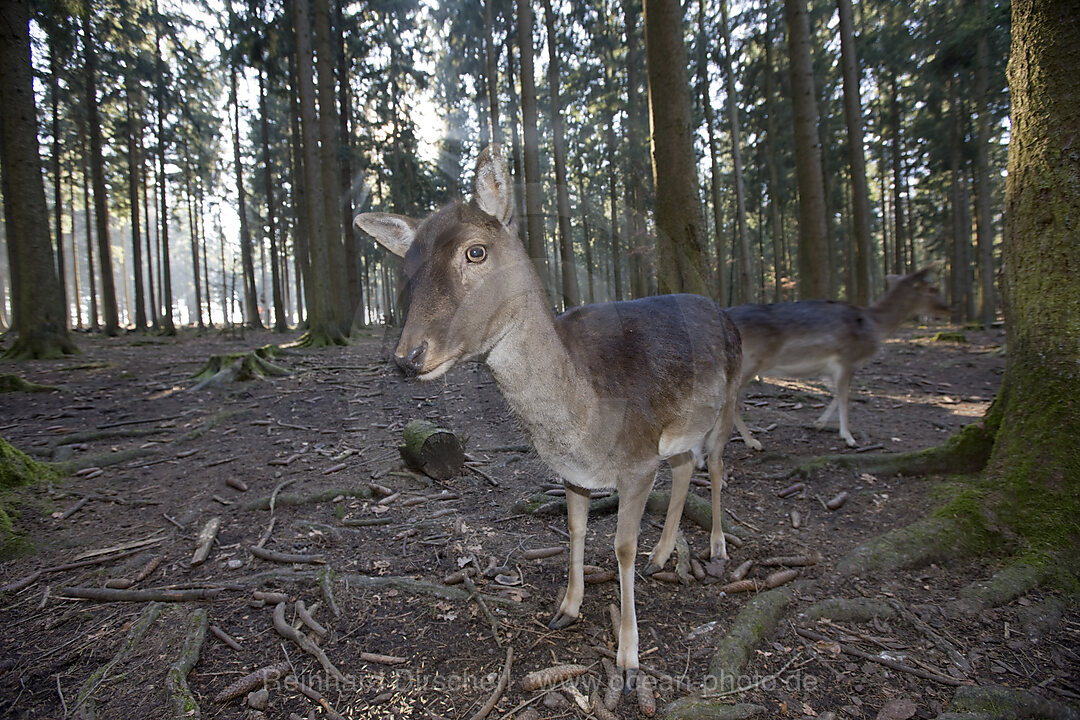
(33, 577)
(500, 687)
(292, 682)
(889, 663)
(225, 637)
(118, 595)
(287, 558)
(304, 642)
(474, 594)
(181, 701)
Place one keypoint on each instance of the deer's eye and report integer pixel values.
(476, 254)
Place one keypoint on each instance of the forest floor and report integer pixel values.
(321, 446)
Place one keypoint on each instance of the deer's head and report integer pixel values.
(467, 272)
(918, 292)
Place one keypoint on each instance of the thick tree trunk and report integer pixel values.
(534, 205)
(635, 150)
(772, 161)
(814, 261)
(58, 197)
(165, 281)
(38, 311)
(97, 172)
(280, 324)
(571, 293)
(897, 156)
(745, 290)
(714, 159)
(1034, 469)
(678, 208)
(134, 163)
(860, 196)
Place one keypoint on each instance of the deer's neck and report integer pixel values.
(891, 310)
(548, 393)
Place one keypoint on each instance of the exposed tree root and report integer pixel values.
(755, 620)
(181, 701)
(964, 453)
(1006, 585)
(921, 543)
(135, 634)
(14, 383)
(1001, 703)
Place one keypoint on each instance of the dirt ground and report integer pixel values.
(322, 443)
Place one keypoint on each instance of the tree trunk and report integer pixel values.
(97, 173)
(271, 217)
(678, 209)
(635, 152)
(860, 196)
(746, 291)
(87, 227)
(534, 205)
(134, 133)
(984, 227)
(38, 312)
(958, 203)
(491, 71)
(329, 146)
(58, 197)
(714, 158)
(772, 161)
(323, 328)
(167, 325)
(814, 261)
(1034, 470)
(897, 147)
(302, 229)
(571, 293)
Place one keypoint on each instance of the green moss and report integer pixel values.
(956, 337)
(16, 470)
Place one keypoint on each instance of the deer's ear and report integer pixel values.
(494, 191)
(393, 232)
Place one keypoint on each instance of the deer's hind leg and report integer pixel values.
(716, 442)
(682, 468)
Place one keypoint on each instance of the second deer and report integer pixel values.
(605, 392)
(820, 338)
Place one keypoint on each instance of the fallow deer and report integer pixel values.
(605, 392)
(820, 338)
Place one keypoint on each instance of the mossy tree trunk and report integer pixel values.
(1032, 480)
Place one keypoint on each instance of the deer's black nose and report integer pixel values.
(411, 362)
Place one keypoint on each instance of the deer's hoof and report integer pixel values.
(629, 680)
(754, 444)
(715, 567)
(651, 569)
(561, 621)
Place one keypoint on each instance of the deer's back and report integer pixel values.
(803, 338)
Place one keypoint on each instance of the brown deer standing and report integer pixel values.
(605, 392)
(821, 338)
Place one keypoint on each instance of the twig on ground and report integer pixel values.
(315, 696)
(118, 595)
(33, 577)
(304, 642)
(474, 594)
(251, 681)
(755, 685)
(225, 637)
(266, 535)
(500, 687)
(482, 474)
(887, 662)
(274, 556)
(281, 486)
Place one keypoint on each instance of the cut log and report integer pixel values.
(434, 451)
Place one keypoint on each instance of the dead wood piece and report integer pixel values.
(74, 508)
(280, 557)
(887, 662)
(117, 595)
(152, 540)
(30, 579)
(304, 642)
(597, 578)
(314, 695)
(366, 522)
(335, 468)
(806, 560)
(225, 638)
(305, 616)
(540, 553)
(181, 700)
(548, 677)
(500, 687)
(413, 501)
(251, 681)
(205, 540)
(434, 451)
(382, 659)
(666, 577)
(459, 576)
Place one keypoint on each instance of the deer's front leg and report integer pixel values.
(632, 498)
(577, 516)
